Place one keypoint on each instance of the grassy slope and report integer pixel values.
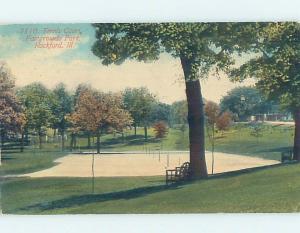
(275, 189)
(30, 160)
(237, 141)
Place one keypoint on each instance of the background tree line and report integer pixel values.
(30, 111)
(33, 109)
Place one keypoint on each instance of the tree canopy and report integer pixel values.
(97, 111)
(206, 45)
(12, 118)
(244, 102)
(139, 102)
(201, 47)
(275, 66)
(39, 103)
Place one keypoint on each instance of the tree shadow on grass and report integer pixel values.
(97, 198)
(129, 141)
(5, 157)
(248, 170)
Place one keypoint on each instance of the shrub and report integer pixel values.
(160, 129)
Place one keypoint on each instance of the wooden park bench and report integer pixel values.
(179, 173)
(286, 156)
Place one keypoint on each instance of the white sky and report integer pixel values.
(164, 77)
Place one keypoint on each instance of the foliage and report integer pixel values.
(160, 112)
(179, 112)
(276, 64)
(12, 118)
(63, 107)
(97, 111)
(244, 102)
(139, 102)
(205, 44)
(212, 112)
(39, 103)
(224, 121)
(160, 129)
(201, 47)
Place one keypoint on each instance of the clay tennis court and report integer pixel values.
(141, 164)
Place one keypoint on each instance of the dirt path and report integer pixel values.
(108, 165)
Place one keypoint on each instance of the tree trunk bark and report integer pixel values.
(146, 133)
(75, 141)
(63, 139)
(98, 142)
(296, 150)
(134, 129)
(71, 142)
(89, 140)
(40, 140)
(196, 121)
(3, 137)
(26, 136)
(123, 137)
(22, 142)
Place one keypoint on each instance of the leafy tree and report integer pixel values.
(201, 48)
(80, 88)
(245, 102)
(97, 111)
(139, 102)
(38, 102)
(275, 66)
(179, 113)
(224, 121)
(212, 112)
(160, 112)
(12, 118)
(62, 108)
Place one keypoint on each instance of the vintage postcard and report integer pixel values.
(101, 118)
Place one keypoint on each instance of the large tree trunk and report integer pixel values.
(297, 135)
(196, 121)
(98, 142)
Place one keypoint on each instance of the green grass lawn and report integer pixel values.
(31, 160)
(273, 189)
(237, 140)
